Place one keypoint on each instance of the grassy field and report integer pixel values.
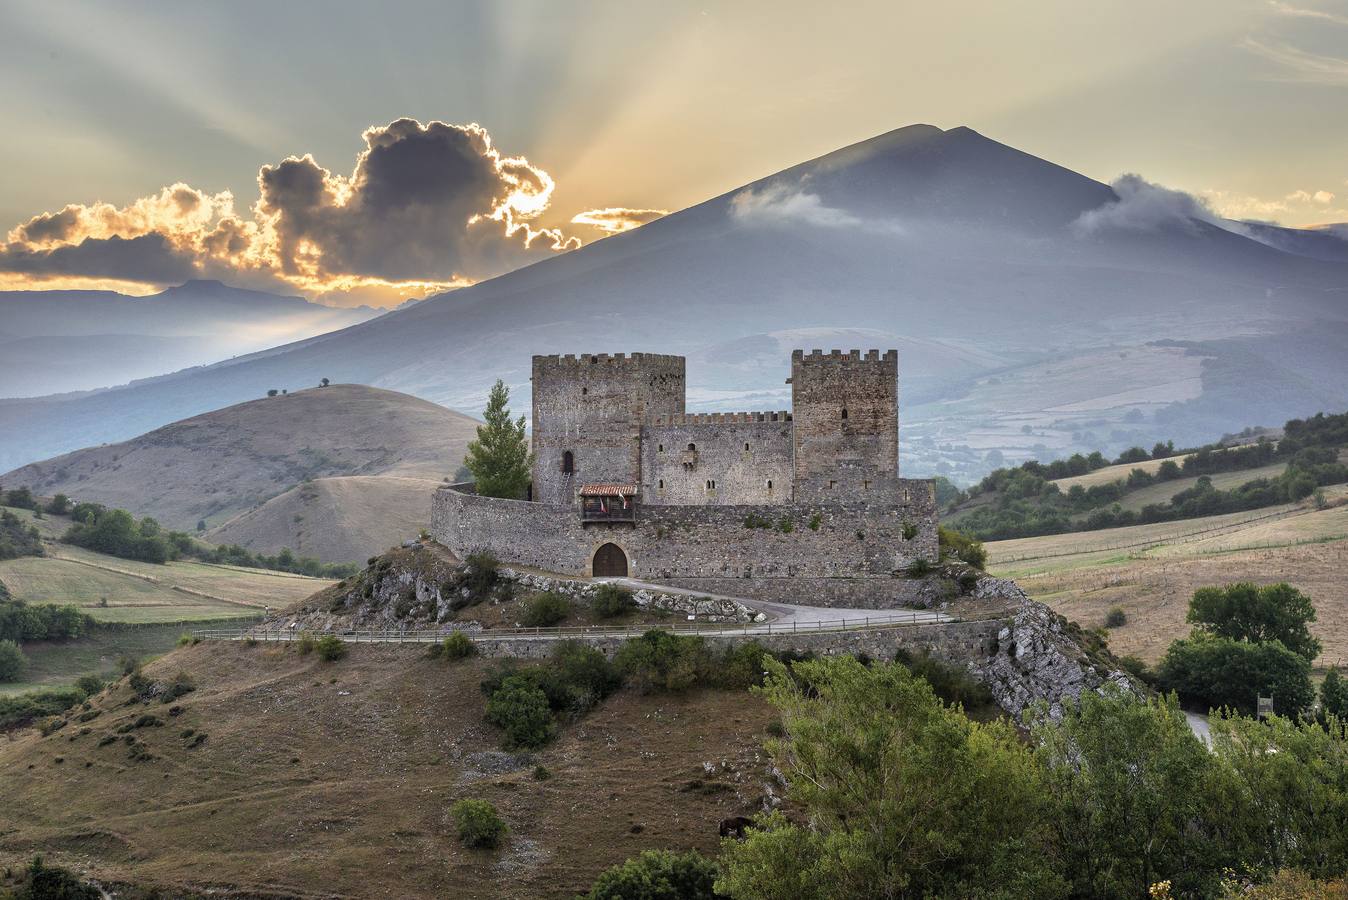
(1151, 571)
(55, 664)
(342, 774)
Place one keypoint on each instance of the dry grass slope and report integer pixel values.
(219, 464)
(335, 519)
(336, 780)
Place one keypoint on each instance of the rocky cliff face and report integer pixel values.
(1041, 657)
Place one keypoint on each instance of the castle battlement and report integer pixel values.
(726, 418)
(577, 362)
(890, 358)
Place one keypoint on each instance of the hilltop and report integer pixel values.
(1020, 327)
(220, 464)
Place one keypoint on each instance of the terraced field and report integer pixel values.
(1151, 571)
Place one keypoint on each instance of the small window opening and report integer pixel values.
(662, 484)
(692, 446)
(769, 484)
(711, 484)
(661, 448)
(832, 485)
(584, 391)
(594, 359)
(844, 412)
(746, 445)
(865, 485)
(568, 463)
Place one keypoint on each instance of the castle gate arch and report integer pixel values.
(609, 561)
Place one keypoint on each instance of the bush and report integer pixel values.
(951, 683)
(457, 646)
(919, 568)
(24, 709)
(961, 546)
(12, 661)
(478, 823)
(541, 773)
(520, 709)
(544, 610)
(742, 666)
(181, 684)
(658, 875)
(88, 685)
(660, 661)
(1248, 612)
(1137, 667)
(1334, 694)
(188, 640)
(305, 644)
(330, 648)
(1116, 618)
(611, 601)
(1218, 672)
(43, 882)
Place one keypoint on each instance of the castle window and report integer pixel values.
(692, 446)
(662, 484)
(568, 463)
(746, 445)
(584, 391)
(661, 448)
(844, 412)
(865, 485)
(832, 485)
(711, 484)
(769, 484)
(594, 359)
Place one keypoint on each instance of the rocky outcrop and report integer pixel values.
(1041, 657)
(704, 609)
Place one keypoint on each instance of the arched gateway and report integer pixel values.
(609, 561)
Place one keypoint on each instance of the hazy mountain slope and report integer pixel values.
(218, 464)
(343, 519)
(947, 239)
(58, 341)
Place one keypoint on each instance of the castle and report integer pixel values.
(804, 505)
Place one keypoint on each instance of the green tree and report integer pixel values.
(905, 796)
(1219, 672)
(1334, 694)
(12, 661)
(478, 823)
(59, 505)
(1247, 612)
(499, 458)
(658, 875)
(1127, 782)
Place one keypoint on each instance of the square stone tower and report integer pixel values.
(587, 416)
(845, 440)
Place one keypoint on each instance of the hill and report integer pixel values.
(342, 775)
(219, 464)
(1027, 319)
(57, 341)
(335, 519)
(1151, 571)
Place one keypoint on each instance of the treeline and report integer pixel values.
(897, 794)
(1029, 504)
(117, 533)
(16, 538)
(20, 622)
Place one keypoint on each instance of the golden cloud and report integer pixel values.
(617, 219)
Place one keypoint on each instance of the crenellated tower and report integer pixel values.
(845, 436)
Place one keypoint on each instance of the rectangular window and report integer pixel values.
(865, 485)
(832, 485)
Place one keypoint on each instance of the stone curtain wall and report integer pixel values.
(593, 405)
(845, 459)
(855, 546)
(746, 456)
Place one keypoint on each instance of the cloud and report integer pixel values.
(617, 219)
(780, 204)
(1299, 65)
(1145, 206)
(1301, 12)
(426, 207)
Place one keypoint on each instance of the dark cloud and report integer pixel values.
(426, 206)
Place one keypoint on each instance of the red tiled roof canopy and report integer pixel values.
(608, 490)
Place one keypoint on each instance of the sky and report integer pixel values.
(374, 152)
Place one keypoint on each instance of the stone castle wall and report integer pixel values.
(845, 409)
(592, 406)
(852, 552)
(736, 459)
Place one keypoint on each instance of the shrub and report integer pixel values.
(305, 643)
(520, 709)
(1219, 672)
(1116, 618)
(961, 546)
(188, 640)
(12, 661)
(457, 646)
(41, 882)
(478, 823)
(24, 709)
(544, 610)
(88, 685)
(909, 531)
(918, 568)
(816, 519)
(951, 683)
(658, 875)
(1334, 694)
(785, 525)
(541, 773)
(330, 648)
(742, 666)
(182, 683)
(660, 661)
(611, 601)
(1137, 667)
(577, 677)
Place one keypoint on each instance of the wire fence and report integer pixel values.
(294, 632)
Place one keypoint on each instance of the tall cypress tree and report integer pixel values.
(499, 458)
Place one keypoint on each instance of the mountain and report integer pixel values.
(221, 464)
(1038, 311)
(59, 341)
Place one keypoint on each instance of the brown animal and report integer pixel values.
(735, 825)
